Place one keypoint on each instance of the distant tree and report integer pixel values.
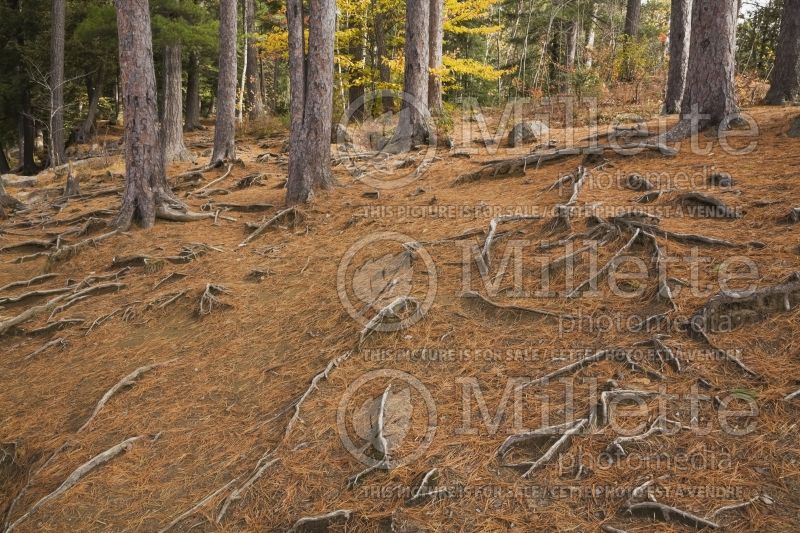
(436, 30)
(679, 39)
(56, 124)
(192, 119)
(253, 100)
(785, 80)
(633, 17)
(311, 86)
(413, 128)
(709, 97)
(225, 126)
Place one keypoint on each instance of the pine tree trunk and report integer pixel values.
(436, 31)
(679, 36)
(413, 127)
(571, 54)
(381, 54)
(192, 120)
(225, 125)
(590, 37)
(4, 166)
(94, 89)
(254, 102)
(172, 121)
(311, 80)
(709, 97)
(785, 81)
(633, 15)
(27, 135)
(355, 91)
(146, 186)
(56, 126)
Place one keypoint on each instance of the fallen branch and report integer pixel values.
(127, 381)
(286, 213)
(77, 475)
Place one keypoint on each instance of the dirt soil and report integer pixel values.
(221, 404)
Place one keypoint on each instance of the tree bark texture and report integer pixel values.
(785, 79)
(56, 126)
(680, 33)
(413, 128)
(225, 125)
(311, 79)
(192, 119)
(436, 31)
(172, 123)
(254, 102)
(145, 179)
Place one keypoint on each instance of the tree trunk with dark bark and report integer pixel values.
(633, 16)
(413, 128)
(680, 33)
(311, 79)
(4, 166)
(56, 125)
(709, 98)
(381, 54)
(146, 190)
(94, 89)
(436, 31)
(27, 135)
(253, 101)
(785, 80)
(193, 93)
(172, 121)
(355, 92)
(225, 125)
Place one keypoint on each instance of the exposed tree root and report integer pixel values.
(577, 184)
(68, 252)
(35, 311)
(33, 244)
(241, 208)
(487, 245)
(725, 354)
(168, 299)
(379, 443)
(620, 395)
(127, 381)
(663, 352)
(728, 310)
(58, 325)
(55, 342)
(658, 427)
(543, 436)
(703, 205)
(249, 181)
(605, 267)
(77, 475)
(667, 513)
(103, 318)
(27, 283)
(334, 363)
(321, 522)
(602, 355)
(196, 507)
(35, 294)
(291, 214)
(792, 396)
(209, 300)
(172, 277)
(388, 312)
(686, 238)
(426, 490)
(236, 494)
(560, 222)
(496, 305)
(213, 182)
(635, 182)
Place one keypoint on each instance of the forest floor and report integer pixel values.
(220, 409)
